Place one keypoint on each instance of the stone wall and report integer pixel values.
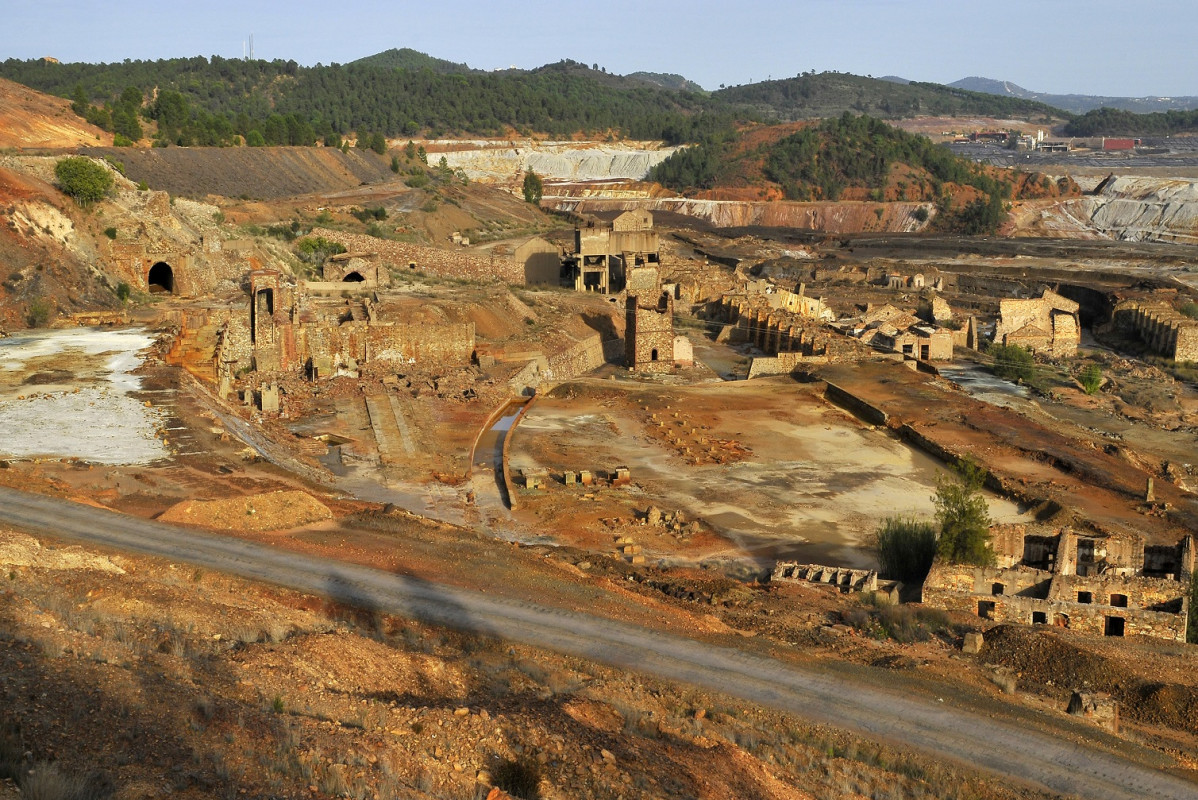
(1147, 606)
(1027, 322)
(1161, 327)
(459, 263)
(649, 334)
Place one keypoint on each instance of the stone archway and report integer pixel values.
(353, 277)
(161, 279)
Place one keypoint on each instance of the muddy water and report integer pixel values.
(69, 393)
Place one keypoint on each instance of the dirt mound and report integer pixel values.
(1045, 659)
(272, 511)
(29, 118)
(1049, 664)
(263, 173)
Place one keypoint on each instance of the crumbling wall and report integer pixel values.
(1150, 607)
(1163, 329)
(461, 263)
(449, 344)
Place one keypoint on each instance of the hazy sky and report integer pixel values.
(1109, 47)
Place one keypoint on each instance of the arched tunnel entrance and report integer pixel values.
(161, 279)
(353, 277)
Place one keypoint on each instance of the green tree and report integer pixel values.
(534, 188)
(83, 179)
(1012, 362)
(1091, 378)
(905, 548)
(963, 517)
(255, 138)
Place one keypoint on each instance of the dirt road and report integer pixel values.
(1018, 754)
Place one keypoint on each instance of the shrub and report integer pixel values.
(1190, 310)
(905, 548)
(123, 290)
(418, 181)
(1012, 362)
(110, 233)
(83, 179)
(39, 312)
(315, 249)
(920, 214)
(1091, 379)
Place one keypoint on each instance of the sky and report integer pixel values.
(1098, 47)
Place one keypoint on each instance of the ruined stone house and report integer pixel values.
(309, 329)
(1101, 585)
(1048, 325)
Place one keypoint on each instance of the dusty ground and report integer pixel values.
(767, 469)
(212, 686)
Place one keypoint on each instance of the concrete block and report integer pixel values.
(973, 643)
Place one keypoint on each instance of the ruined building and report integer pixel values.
(649, 334)
(789, 340)
(1047, 325)
(603, 257)
(1165, 330)
(323, 329)
(891, 330)
(1102, 585)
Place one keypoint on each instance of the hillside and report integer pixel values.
(853, 158)
(1077, 103)
(828, 94)
(1114, 122)
(407, 58)
(201, 101)
(667, 80)
(32, 119)
(263, 173)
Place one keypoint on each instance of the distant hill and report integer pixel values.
(667, 80)
(203, 102)
(406, 58)
(852, 158)
(1078, 103)
(829, 94)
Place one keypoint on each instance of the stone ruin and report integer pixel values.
(1048, 325)
(1100, 585)
(844, 579)
(1165, 330)
(1098, 707)
(649, 334)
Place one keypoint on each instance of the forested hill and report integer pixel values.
(407, 58)
(1115, 122)
(211, 100)
(401, 92)
(853, 158)
(828, 94)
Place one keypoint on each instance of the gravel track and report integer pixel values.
(1016, 753)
